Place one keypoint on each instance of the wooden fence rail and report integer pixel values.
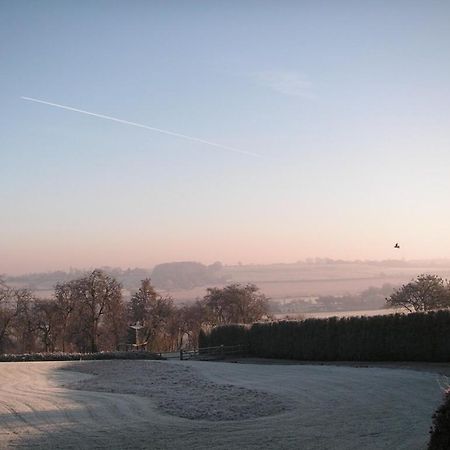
(213, 352)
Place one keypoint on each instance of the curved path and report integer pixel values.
(328, 408)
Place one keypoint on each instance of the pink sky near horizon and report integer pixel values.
(64, 254)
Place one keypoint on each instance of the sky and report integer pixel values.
(339, 111)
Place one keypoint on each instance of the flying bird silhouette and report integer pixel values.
(396, 245)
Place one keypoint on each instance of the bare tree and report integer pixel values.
(93, 296)
(47, 322)
(235, 304)
(13, 303)
(425, 293)
(24, 322)
(98, 292)
(66, 301)
(188, 322)
(114, 323)
(153, 311)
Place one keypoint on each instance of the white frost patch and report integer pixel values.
(179, 390)
(339, 408)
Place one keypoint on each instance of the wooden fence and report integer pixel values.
(219, 352)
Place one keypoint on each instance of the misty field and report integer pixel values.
(191, 404)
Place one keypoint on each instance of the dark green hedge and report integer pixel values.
(440, 431)
(395, 337)
(228, 335)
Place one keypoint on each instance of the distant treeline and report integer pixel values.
(382, 262)
(370, 298)
(173, 275)
(396, 337)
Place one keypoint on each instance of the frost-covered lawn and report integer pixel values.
(180, 389)
(189, 404)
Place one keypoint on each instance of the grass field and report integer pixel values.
(199, 405)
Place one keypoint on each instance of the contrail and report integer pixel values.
(147, 127)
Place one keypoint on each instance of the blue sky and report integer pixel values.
(347, 102)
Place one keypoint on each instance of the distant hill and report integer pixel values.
(186, 275)
(167, 277)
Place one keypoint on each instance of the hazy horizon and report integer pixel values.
(258, 132)
(445, 262)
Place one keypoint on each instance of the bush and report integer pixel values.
(77, 356)
(440, 430)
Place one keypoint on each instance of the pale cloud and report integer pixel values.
(286, 82)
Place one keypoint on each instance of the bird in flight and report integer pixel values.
(396, 245)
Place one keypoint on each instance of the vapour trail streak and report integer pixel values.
(147, 127)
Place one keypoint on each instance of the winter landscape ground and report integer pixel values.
(193, 404)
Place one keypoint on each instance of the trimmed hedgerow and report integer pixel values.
(395, 337)
(231, 334)
(77, 356)
(440, 430)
